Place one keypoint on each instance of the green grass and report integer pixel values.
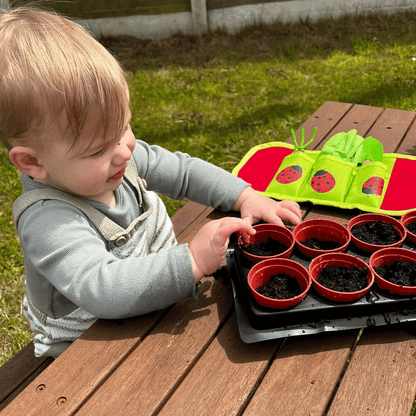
(218, 96)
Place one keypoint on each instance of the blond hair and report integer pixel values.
(51, 68)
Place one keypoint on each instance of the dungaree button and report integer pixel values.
(120, 241)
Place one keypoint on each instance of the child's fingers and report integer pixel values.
(290, 211)
(242, 234)
(228, 226)
(290, 216)
(291, 206)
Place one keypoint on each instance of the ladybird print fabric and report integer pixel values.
(386, 186)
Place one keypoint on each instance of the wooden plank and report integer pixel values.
(360, 118)
(391, 128)
(18, 369)
(73, 376)
(27, 379)
(13, 372)
(380, 379)
(188, 217)
(325, 119)
(335, 214)
(301, 379)
(154, 369)
(222, 380)
(408, 145)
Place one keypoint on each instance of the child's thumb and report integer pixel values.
(229, 226)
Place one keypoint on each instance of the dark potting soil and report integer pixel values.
(376, 232)
(270, 247)
(399, 272)
(343, 279)
(411, 227)
(317, 244)
(280, 286)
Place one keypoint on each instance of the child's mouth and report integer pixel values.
(118, 175)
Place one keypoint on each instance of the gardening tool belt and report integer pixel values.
(279, 170)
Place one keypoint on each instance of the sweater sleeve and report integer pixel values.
(64, 255)
(178, 175)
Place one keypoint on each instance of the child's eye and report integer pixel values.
(99, 153)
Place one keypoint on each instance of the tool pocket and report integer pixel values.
(329, 180)
(369, 185)
(292, 174)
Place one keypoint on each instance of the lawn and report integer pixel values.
(217, 96)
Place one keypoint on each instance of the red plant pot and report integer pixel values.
(261, 273)
(325, 230)
(365, 218)
(342, 260)
(263, 233)
(387, 256)
(407, 219)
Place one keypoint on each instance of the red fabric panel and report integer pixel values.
(260, 169)
(401, 190)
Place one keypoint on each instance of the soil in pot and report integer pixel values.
(343, 279)
(376, 232)
(411, 227)
(270, 247)
(317, 244)
(280, 286)
(399, 273)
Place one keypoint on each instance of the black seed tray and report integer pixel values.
(315, 314)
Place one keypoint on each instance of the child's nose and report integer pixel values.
(123, 153)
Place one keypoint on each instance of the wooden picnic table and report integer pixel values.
(190, 360)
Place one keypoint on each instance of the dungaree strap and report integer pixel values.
(107, 228)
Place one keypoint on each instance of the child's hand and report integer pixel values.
(255, 207)
(209, 246)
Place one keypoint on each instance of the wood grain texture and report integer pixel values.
(17, 373)
(302, 378)
(155, 368)
(223, 378)
(381, 378)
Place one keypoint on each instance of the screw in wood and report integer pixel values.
(61, 401)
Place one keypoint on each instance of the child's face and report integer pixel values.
(90, 170)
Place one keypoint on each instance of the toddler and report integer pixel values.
(96, 239)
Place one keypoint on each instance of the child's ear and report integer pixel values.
(25, 159)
